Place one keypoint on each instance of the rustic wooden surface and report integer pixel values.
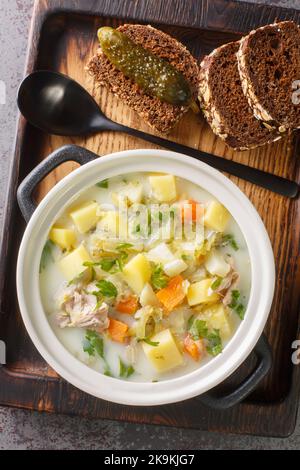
(63, 42)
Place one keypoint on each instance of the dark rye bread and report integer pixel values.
(159, 115)
(224, 103)
(269, 64)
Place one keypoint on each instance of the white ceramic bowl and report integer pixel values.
(198, 381)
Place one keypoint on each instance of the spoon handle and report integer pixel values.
(274, 183)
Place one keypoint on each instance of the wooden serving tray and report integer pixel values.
(63, 37)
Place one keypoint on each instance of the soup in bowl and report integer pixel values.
(145, 277)
(141, 285)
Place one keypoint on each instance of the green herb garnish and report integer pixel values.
(93, 343)
(148, 341)
(107, 371)
(125, 371)
(103, 184)
(137, 229)
(158, 279)
(235, 295)
(240, 310)
(235, 305)
(124, 246)
(229, 240)
(107, 264)
(107, 288)
(190, 321)
(46, 255)
(216, 283)
(76, 279)
(199, 330)
(214, 346)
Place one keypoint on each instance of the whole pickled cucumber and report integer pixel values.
(154, 75)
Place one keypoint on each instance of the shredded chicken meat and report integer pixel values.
(228, 284)
(82, 310)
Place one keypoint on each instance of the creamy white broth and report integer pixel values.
(52, 281)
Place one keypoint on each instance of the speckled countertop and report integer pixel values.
(31, 430)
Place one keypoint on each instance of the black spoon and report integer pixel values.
(58, 105)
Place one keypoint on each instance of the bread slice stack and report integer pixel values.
(161, 116)
(224, 104)
(246, 87)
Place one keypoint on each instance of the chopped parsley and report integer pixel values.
(199, 330)
(158, 279)
(237, 306)
(93, 343)
(190, 321)
(148, 341)
(125, 371)
(229, 240)
(107, 288)
(216, 283)
(214, 346)
(46, 255)
(76, 279)
(108, 264)
(103, 184)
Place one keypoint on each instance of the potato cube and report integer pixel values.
(217, 318)
(113, 225)
(216, 216)
(166, 355)
(163, 187)
(85, 216)
(63, 237)
(137, 273)
(199, 293)
(72, 264)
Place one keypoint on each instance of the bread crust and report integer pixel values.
(160, 115)
(259, 111)
(216, 116)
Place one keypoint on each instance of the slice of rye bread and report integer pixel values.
(224, 103)
(269, 64)
(159, 115)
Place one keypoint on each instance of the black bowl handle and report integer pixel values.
(63, 154)
(264, 361)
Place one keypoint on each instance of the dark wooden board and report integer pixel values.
(63, 38)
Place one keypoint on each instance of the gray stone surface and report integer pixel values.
(30, 430)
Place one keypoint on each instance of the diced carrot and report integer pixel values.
(128, 305)
(173, 294)
(191, 209)
(117, 330)
(193, 348)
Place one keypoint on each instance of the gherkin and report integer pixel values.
(152, 74)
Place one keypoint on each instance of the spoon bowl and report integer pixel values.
(58, 105)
